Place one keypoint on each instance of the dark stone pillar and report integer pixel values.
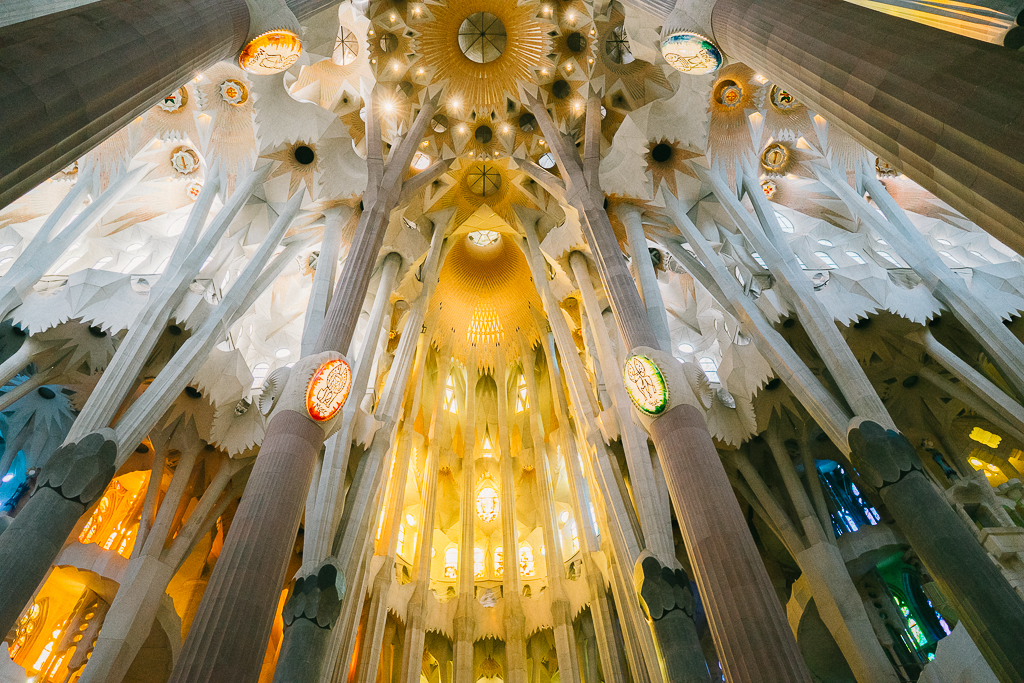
(71, 79)
(230, 632)
(73, 478)
(309, 616)
(987, 605)
(747, 620)
(668, 601)
(947, 111)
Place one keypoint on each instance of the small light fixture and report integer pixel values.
(410, 520)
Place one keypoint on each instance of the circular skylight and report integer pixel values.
(482, 37)
(484, 238)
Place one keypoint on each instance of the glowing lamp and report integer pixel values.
(645, 385)
(328, 390)
(270, 53)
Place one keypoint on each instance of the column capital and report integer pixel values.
(317, 595)
(882, 456)
(81, 471)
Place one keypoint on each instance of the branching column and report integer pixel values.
(631, 217)
(654, 520)
(412, 658)
(746, 618)
(235, 617)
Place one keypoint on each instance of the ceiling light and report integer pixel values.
(283, 353)
(686, 348)
(410, 520)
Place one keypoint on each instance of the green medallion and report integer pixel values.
(646, 385)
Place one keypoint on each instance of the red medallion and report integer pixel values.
(328, 390)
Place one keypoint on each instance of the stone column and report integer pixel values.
(561, 615)
(515, 619)
(75, 77)
(631, 218)
(990, 609)
(73, 479)
(941, 108)
(974, 313)
(464, 623)
(323, 276)
(267, 512)
(622, 535)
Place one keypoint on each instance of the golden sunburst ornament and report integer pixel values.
(482, 49)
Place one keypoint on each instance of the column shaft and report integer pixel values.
(944, 109)
(73, 78)
(656, 313)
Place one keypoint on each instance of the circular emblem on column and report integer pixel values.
(328, 390)
(270, 53)
(691, 53)
(645, 385)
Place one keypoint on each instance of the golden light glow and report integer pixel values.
(499, 563)
(985, 437)
(115, 520)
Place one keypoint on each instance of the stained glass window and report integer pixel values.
(450, 403)
(479, 570)
(521, 403)
(487, 504)
(526, 566)
(451, 562)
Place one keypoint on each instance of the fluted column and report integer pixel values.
(515, 620)
(207, 655)
(580, 499)
(640, 648)
(944, 109)
(73, 78)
